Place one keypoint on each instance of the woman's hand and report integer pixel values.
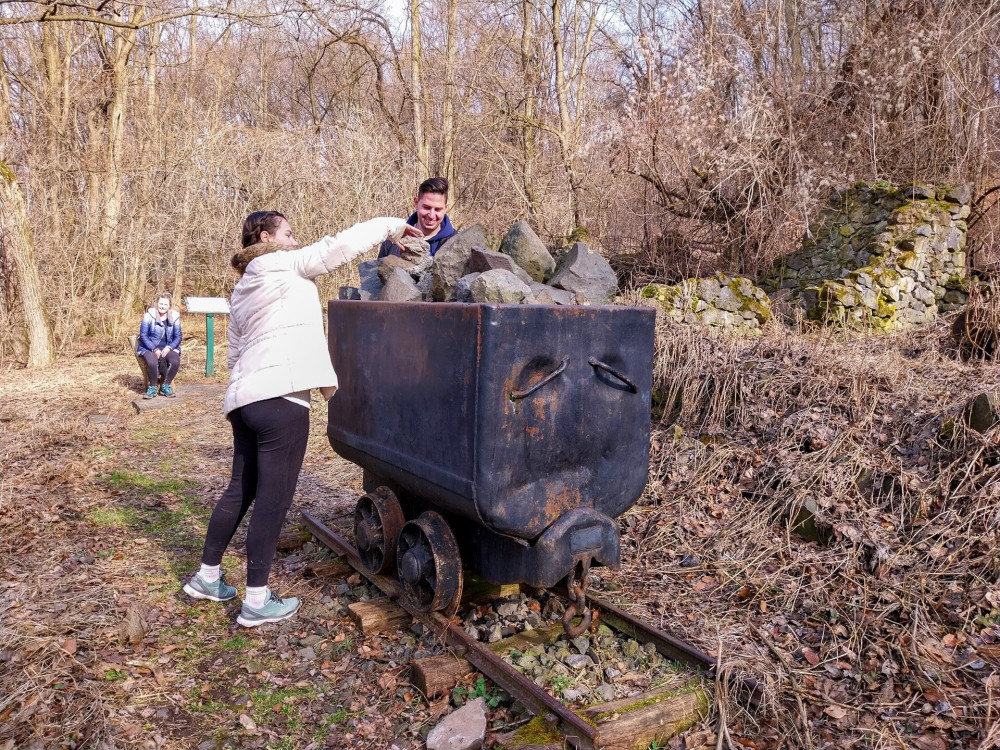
(408, 231)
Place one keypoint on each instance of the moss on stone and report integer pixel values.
(885, 307)
(884, 276)
(908, 259)
(834, 292)
(956, 282)
(662, 292)
(761, 308)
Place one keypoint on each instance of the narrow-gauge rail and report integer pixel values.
(578, 732)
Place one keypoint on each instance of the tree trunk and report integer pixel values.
(565, 136)
(794, 40)
(152, 147)
(17, 251)
(133, 266)
(421, 147)
(56, 101)
(530, 76)
(448, 106)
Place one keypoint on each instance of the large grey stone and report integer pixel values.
(522, 244)
(452, 258)
(541, 294)
(426, 286)
(390, 264)
(463, 729)
(728, 300)
(400, 287)
(463, 287)
(499, 286)
(549, 295)
(417, 251)
(349, 292)
(981, 412)
(708, 289)
(916, 191)
(482, 260)
(959, 194)
(371, 284)
(586, 273)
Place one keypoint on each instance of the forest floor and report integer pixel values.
(880, 633)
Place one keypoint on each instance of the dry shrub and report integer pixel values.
(752, 432)
(977, 327)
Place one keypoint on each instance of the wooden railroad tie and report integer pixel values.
(379, 615)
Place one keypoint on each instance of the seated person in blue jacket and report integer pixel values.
(428, 216)
(160, 342)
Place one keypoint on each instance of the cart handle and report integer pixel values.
(595, 362)
(516, 395)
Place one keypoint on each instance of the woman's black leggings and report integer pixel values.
(269, 443)
(153, 364)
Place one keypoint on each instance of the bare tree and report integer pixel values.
(17, 259)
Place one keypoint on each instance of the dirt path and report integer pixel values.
(102, 515)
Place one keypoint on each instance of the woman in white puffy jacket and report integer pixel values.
(277, 354)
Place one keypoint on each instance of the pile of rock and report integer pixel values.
(881, 257)
(595, 667)
(718, 302)
(464, 269)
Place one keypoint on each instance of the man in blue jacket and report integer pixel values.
(428, 216)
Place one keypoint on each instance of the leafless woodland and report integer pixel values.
(683, 136)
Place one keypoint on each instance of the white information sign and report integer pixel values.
(207, 305)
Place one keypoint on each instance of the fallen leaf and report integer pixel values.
(835, 712)
(439, 709)
(249, 724)
(810, 656)
(928, 742)
(69, 646)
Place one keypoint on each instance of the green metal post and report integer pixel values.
(210, 344)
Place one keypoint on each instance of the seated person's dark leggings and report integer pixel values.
(269, 443)
(152, 364)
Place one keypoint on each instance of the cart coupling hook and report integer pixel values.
(576, 590)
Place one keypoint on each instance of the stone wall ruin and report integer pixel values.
(881, 257)
(717, 303)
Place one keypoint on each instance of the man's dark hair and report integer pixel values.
(433, 185)
(258, 222)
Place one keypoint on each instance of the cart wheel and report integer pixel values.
(430, 566)
(378, 519)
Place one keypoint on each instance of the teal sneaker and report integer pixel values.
(166, 390)
(217, 591)
(275, 609)
(150, 392)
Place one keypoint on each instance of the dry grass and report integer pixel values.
(881, 621)
(977, 327)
